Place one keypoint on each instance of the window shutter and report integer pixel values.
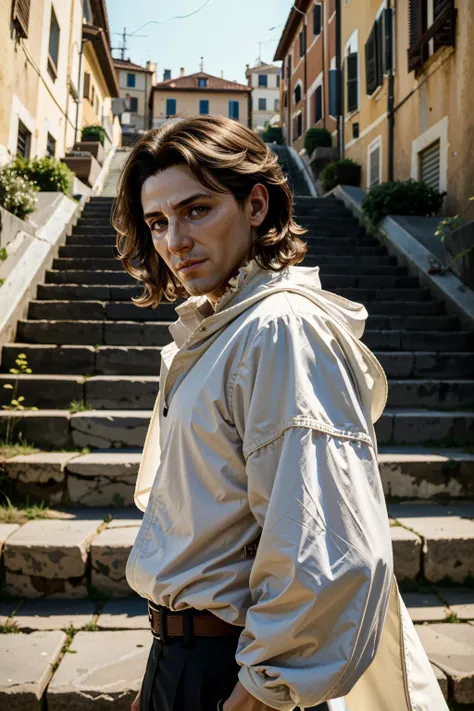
(374, 159)
(388, 51)
(317, 20)
(429, 165)
(414, 30)
(21, 16)
(170, 107)
(318, 104)
(371, 61)
(87, 85)
(334, 92)
(133, 104)
(380, 50)
(443, 37)
(352, 84)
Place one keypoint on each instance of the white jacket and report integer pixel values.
(264, 428)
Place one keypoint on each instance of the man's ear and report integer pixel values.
(259, 204)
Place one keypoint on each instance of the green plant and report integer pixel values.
(79, 406)
(340, 172)
(3, 254)
(398, 197)
(17, 193)
(316, 138)
(273, 133)
(93, 133)
(16, 403)
(446, 227)
(47, 173)
(10, 513)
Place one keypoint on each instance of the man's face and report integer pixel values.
(190, 223)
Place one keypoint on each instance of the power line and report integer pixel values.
(176, 17)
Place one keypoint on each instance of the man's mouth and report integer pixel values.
(189, 265)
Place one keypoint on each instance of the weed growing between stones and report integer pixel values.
(9, 513)
(16, 402)
(79, 406)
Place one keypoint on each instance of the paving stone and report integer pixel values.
(442, 680)
(126, 613)
(125, 517)
(6, 530)
(101, 479)
(425, 607)
(105, 671)
(448, 537)
(39, 468)
(451, 648)
(34, 586)
(50, 549)
(109, 555)
(406, 553)
(54, 614)
(460, 601)
(110, 429)
(26, 668)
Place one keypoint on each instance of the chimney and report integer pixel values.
(166, 74)
(181, 72)
(151, 66)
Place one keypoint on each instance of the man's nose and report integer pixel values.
(178, 239)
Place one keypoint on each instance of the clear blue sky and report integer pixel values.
(225, 32)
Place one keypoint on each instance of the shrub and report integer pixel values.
(17, 194)
(409, 197)
(49, 174)
(316, 138)
(340, 172)
(273, 133)
(93, 133)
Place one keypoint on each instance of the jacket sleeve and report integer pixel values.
(321, 577)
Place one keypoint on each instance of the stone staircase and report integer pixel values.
(87, 344)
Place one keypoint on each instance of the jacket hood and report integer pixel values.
(199, 320)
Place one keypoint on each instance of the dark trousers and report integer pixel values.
(190, 677)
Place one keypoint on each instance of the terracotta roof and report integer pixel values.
(125, 64)
(292, 24)
(190, 83)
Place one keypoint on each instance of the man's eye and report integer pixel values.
(156, 225)
(201, 210)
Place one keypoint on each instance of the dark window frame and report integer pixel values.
(133, 103)
(442, 30)
(23, 137)
(263, 81)
(352, 74)
(317, 20)
(201, 102)
(53, 45)
(51, 145)
(129, 75)
(262, 103)
(202, 82)
(297, 94)
(318, 103)
(170, 114)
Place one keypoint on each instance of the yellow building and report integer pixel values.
(200, 93)
(42, 71)
(408, 93)
(135, 84)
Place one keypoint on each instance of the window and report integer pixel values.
(277, 105)
(303, 41)
(378, 51)
(134, 104)
(87, 85)
(170, 107)
(288, 63)
(131, 80)
(374, 163)
(51, 146)
(23, 144)
(234, 110)
(285, 99)
(318, 104)
(204, 107)
(317, 20)
(432, 25)
(429, 162)
(21, 16)
(278, 81)
(262, 80)
(53, 55)
(262, 104)
(92, 96)
(297, 93)
(299, 125)
(202, 82)
(352, 82)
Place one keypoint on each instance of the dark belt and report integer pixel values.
(166, 623)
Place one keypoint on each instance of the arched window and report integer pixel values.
(297, 93)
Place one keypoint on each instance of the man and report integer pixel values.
(264, 551)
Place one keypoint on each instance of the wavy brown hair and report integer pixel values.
(225, 157)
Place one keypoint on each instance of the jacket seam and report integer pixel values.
(308, 423)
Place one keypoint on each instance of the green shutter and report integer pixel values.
(352, 83)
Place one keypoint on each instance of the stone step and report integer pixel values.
(91, 251)
(126, 392)
(92, 263)
(138, 392)
(383, 332)
(106, 478)
(118, 429)
(126, 310)
(115, 634)
(54, 276)
(91, 292)
(64, 557)
(145, 360)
